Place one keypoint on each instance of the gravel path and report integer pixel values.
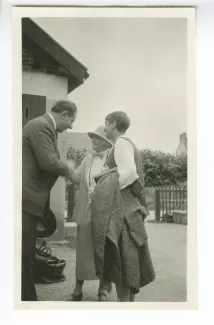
(168, 249)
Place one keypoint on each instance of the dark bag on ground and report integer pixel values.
(48, 268)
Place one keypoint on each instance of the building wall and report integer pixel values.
(49, 104)
(54, 88)
(43, 84)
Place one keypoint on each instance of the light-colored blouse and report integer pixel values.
(96, 167)
(124, 158)
(98, 162)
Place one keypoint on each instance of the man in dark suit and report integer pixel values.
(41, 166)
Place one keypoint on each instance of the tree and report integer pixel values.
(77, 155)
(161, 168)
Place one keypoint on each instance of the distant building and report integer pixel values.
(182, 146)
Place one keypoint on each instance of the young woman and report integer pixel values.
(118, 211)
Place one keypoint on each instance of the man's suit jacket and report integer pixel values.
(41, 164)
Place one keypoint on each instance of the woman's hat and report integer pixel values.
(100, 131)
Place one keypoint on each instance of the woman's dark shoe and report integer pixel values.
(74, 297)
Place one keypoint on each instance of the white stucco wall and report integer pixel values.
(53, 88)
(49, 104)
(37, 83)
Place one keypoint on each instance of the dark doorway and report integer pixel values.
(32, 106)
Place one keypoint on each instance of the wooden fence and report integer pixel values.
(169, 198)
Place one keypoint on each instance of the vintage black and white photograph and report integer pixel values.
(105, 137)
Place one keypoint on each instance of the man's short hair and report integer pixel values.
(64, 106)
(121, 119)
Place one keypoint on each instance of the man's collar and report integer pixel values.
(54, 123)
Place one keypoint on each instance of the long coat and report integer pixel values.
(82, 200)
(120, 239)
(85, 267)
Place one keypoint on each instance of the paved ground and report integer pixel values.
(168, 249)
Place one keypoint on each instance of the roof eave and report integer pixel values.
(77, 72)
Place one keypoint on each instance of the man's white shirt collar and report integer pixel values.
(53, 120)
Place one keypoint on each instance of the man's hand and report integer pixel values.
(71, 168)
(74, 173)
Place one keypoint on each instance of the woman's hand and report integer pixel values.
(144, 212)
(104, 169)
(71, 166)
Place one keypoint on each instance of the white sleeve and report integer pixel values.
(124, 158)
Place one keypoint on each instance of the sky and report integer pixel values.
(137, 65)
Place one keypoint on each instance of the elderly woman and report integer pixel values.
(83, 176)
